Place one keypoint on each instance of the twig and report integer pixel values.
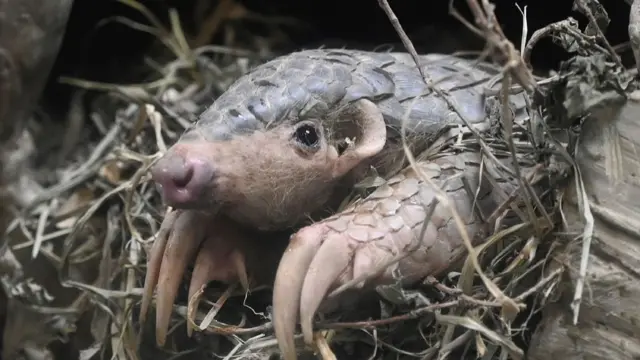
(507, 123)
(441, 195)
(495, 37)
(42, 222)
(584, 8)
(391, 320)
(82, 173)
(542, 283)
(634, 31)
(587, 235)
(568, 27)
(525, 28)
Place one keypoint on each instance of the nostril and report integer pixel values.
(183, 178)
(173, 172)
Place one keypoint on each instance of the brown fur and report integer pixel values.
(266, 181)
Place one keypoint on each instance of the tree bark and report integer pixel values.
(31, 33)
(608, 327)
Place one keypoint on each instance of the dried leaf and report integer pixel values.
(112, 171)
(79, 199)
(594, 8)
(586, 82)
(89, 352)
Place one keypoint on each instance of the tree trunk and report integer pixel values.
(608, 327)
(31, 33)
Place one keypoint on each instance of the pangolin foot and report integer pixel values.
(222, 249)
(380, 240)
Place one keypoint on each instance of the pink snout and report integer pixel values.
(184, 180)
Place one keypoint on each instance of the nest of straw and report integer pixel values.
(94, 224)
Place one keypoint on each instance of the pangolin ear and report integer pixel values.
(370, 137)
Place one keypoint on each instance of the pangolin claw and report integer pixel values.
(181, 235)
(219, 259)
(320, 278)
(154, 263)
(289, 282)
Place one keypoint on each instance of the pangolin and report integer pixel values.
(285, 143)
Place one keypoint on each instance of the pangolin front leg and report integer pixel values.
(376, 230)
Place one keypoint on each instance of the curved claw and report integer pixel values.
(154, 263)
(182, 245)
(288, 285)
(219, 259)
(178, 240)
(320, 278)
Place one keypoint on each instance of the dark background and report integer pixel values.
(103, 54)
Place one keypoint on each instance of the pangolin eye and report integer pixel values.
(307, 135)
